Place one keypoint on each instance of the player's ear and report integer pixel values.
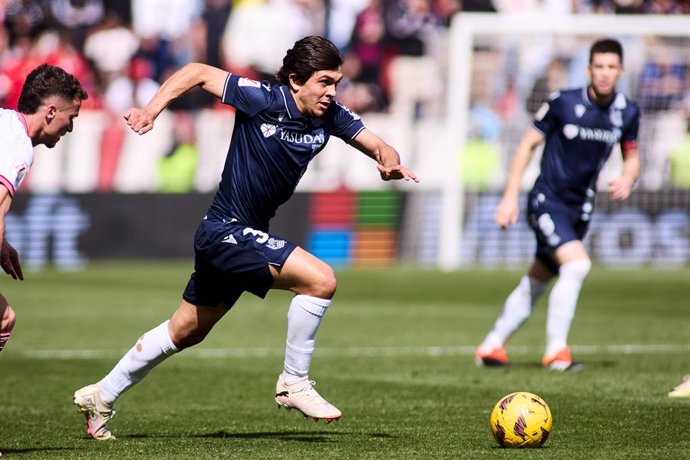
(51, 111)
(295, 84)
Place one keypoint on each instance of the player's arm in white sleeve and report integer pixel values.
(621, 187)
(9, 258)
(209, 78)
(386, 156)
(509, 207)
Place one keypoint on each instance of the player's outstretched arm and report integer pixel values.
(509, 208)
(387, 157)
(621, 187)
(209, 78)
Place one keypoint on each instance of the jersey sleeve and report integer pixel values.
(246, 95)
(13, 167)
(546, 118)
(632, 127)
(346, 123)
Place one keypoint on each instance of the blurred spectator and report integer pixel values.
(415, 81)
(662, 7)
(259, 32)
(21, 59)
(177, 169)
(25, 19)
(341, 16)
(661, 94)
(363, 66)
(75, 17)
(554, 78)
(110, 47)
(215, 17)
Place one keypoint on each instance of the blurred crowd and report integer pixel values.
(395, 54)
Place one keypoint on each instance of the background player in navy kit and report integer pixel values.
(580, 127)
(278, 130)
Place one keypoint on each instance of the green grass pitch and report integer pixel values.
(394, 353)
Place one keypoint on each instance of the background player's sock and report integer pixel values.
(304, 318)
(518, 307)
(4, 337)
(562, 303)
(149, 351)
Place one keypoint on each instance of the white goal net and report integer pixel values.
(500, 70)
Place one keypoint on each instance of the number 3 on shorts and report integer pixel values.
(261, 237)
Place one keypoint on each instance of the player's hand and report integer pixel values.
(139, 121)
(9, 261)
(507, 213)
(620, 188)
(396, 172)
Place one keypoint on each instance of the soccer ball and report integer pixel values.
(521, 420)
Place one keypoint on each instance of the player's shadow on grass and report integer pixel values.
(303, 436)
(589, 364)
(300, 436)
(7, 452)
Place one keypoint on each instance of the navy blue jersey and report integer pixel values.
(580, 135)
(271, 146)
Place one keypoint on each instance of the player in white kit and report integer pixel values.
(49, 102)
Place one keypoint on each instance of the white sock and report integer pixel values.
(304, 318)
(518, 307)
(150, 350)
(562, 302)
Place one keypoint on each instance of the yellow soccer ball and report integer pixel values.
(521, 420)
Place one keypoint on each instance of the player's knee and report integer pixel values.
(324, 284)
(186, 334)
(9, 318)
(577, 269)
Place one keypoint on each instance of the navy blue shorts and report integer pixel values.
(555, 223)
(230, 258)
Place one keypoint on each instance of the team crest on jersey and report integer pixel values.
(616, 117)
(580, 110)
(268, 129)
(274, 244)
(247, 82)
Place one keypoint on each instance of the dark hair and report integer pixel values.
(307, 56)
(45, 81)
(606, 45)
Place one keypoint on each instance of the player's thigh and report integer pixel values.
(304, 273)
(570, 252)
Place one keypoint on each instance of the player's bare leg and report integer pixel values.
(516, 310)
(574, 266)
(314, 284)
(188, 326)
(7, 320)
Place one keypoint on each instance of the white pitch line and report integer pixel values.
(363, 352)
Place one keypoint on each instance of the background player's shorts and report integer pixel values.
(230, 258)
(554, 223)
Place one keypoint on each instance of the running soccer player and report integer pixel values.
(278, 131)
(49, 102)
(580, 128)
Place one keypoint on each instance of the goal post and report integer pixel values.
(510, 36)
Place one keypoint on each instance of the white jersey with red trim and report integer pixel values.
(17, 153)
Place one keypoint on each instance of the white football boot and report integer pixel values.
(303, 397)
(97, 413)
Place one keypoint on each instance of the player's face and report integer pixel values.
(60, 115)
(316, 94)
(604, 72)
